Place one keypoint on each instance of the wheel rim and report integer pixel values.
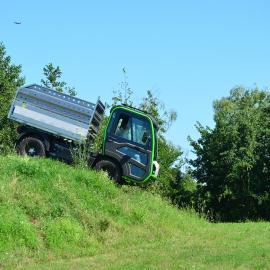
(33, 149)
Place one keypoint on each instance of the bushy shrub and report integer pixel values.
(10, 79)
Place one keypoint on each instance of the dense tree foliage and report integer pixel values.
(232, 164)
(10, 79)
(52, 80)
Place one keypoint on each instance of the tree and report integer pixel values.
(232, 160)
(52, 77)
(10, 80)
(183, 190)
(157, 109)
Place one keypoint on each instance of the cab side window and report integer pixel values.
(123, 128)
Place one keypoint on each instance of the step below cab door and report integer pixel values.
(129, 140)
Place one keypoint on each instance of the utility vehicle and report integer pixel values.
(53, 124)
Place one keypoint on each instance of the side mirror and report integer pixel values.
(145, 137)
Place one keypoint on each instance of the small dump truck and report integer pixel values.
(53, 123)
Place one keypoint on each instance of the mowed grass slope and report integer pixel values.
(53, 216)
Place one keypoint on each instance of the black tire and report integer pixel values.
(111, 168)
(32, 147)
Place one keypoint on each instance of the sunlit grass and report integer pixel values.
(53, 216)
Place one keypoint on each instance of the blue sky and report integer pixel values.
(188, 52)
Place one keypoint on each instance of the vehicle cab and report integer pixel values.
(131, 140)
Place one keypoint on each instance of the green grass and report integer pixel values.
(53, 216)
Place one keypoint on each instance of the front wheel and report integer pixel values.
(111, 168)
(32, 147)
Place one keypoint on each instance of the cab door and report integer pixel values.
(129, 140)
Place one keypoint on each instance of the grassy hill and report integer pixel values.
(53, 216)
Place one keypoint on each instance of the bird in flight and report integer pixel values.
(17, 22)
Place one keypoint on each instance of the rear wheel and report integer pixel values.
(32, 147)
(111, 168)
